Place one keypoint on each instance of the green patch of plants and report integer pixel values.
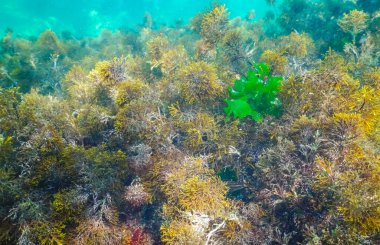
(255, 95)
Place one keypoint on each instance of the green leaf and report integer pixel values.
(240, 85)
(252, 76)
(253, 85)
(255, 95)
(239, 109)
(263, 69)
(235, 94)
(257, 117)
(273, 84)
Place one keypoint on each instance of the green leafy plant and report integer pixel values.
(255, 95)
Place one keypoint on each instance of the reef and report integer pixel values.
(219, 131)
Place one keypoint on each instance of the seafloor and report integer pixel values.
(218, 130)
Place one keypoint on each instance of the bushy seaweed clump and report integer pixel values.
(255, 95)
(123, 138)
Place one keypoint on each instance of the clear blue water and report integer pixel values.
(88, 17)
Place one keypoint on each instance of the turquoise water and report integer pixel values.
(85, 17)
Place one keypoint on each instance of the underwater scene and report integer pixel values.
(185, 122)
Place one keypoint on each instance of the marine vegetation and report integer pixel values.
(255, 95)
(218, 131)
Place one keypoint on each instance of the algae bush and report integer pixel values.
(220, 130)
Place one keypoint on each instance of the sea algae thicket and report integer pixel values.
(236, 122)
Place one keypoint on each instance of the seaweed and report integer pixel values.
(125, 138)
(255, 95)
